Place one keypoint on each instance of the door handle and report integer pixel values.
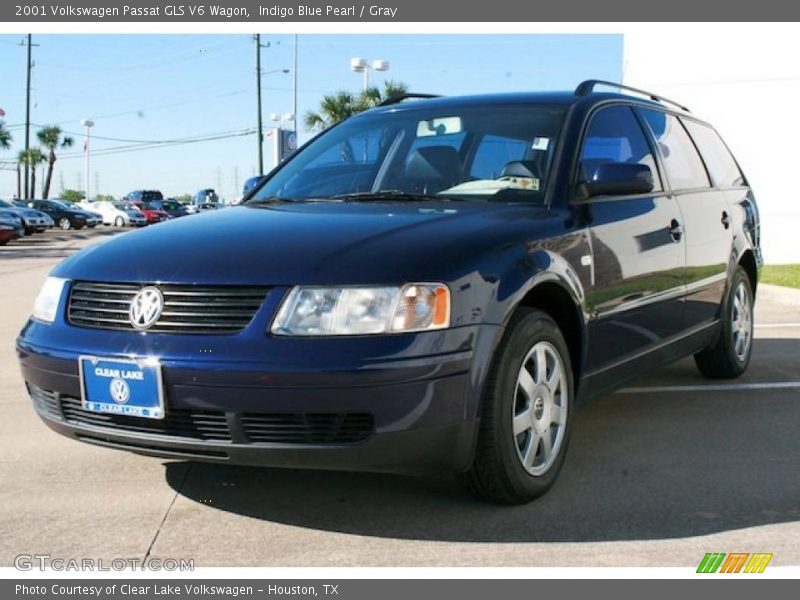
(675, 231)
(726, 219)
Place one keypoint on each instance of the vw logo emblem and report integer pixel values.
(120, 391)
(146, 307)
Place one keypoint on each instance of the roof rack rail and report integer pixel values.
(400, 97)
(587, 87)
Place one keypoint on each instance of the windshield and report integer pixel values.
(62, 205)
(502, 152)
(5, 204)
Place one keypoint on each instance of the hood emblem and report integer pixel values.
(146, 308)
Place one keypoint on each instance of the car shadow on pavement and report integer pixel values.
(640, 466)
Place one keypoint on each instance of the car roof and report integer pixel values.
(563, 98)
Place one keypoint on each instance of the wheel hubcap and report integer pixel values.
(540, 408)
(741, 321)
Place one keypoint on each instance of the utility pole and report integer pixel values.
(258, 99)
(29, 66)
(294, 87)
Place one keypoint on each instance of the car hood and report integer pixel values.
(307, 242)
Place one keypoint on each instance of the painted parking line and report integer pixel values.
(775, 325)
(723, 387)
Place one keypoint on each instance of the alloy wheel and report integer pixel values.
(742, 321)
(540, 408)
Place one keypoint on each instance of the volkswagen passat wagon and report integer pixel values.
(431, 285)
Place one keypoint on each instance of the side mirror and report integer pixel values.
(617, 179)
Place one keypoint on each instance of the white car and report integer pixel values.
(115, 214)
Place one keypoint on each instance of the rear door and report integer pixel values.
(636, 297)
(704, 213)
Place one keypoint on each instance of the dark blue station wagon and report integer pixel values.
(431, 285)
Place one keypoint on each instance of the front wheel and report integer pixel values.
(119, 222)
(730, 355)
(64, 223)
(527, 413)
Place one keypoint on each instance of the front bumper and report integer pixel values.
(420, 404)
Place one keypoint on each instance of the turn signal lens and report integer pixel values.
(422, 306)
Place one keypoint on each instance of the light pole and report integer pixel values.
(257, 39)
(88, 124)
(362, 65)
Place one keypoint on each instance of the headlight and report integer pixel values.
(46, 304)
(317, 311)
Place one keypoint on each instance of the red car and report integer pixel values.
(151, 213)
(8, 231)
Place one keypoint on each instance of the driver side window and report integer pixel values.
(614, 135)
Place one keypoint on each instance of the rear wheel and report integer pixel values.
(527, 411)
(730, 355)
(64, 223)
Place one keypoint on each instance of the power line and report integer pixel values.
(140, 147)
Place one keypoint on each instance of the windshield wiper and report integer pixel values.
(268, 200)
(388, 195)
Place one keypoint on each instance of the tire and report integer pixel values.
(29, 231)
(730, 355)
(119, 222)
(64, 223)
(504, 470)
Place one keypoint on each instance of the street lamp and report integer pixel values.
(88, 124)
(281, 118)
(362, 65)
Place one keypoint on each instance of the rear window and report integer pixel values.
(685, 169)
(721, 164)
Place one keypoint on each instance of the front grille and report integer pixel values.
(214, 426)
(307, 428)
(208, 425)
(187, 308)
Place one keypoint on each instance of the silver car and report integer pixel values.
(32, 220)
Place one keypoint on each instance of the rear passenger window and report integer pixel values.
(684, 167)
(724, 170)
(614, 135)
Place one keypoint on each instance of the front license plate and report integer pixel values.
(122, 386)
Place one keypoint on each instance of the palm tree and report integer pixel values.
(332, 109)
(32, 157)
(50, 138)
(5, 136)
(341, 105)
(373, 96)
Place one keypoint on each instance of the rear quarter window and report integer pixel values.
(684, 167)
(719, 160)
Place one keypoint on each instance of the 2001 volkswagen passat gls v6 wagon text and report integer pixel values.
(430, 285)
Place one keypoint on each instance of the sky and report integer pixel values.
(175, 88)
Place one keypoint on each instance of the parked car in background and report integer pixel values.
(64, 214)
(111, 215)
(10, 227)
(151, 213)
(205, 195)
(152, 197)
(34, 221)
(93, 219)
(206, 206)
(444, 306)
(173, 208)
(135, 217)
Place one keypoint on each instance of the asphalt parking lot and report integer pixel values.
(657, 475)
